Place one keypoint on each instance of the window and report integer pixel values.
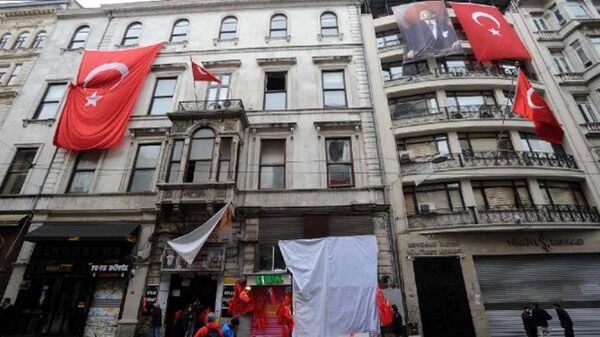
(3, 72)
(427, 146)
(278, 26)
(79, 38)
(39, 39)
(339, 162)
(272, 163)
(18, 170)
(477, 142)
(458, 66)
(445, 197)
(562, 66)
(228, 29)
(532, 143)
(590, 114)
(501, 193)
(562, 193)
(4, 40)
(334, 89)
(275, 90)
(558, 15)
(578, 48)
(180, 31)
(539, 22)
(469, 101)
(329, 24)
(410, 106)
(83, 173)
(175, 164)
(224, 159)
(21, 39)
(15, 73)
(389, 38)
(596, 43)
(142, 176)
(51, 102)
(200, 157)
(395, 70)
(219, 91)
(577, 9)
(509, 96)
(132, 35)
(162, 97)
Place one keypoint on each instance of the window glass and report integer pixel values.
(278, 26)
(334, 89)
(83, 172)
(228, 28)
(132, 35)
(21, 40)
(162, 98)
(51, 101)
(144, 168)
(416, 105)
(39, 39)
(224, 158)
(339, 162)
(272, 163)
(329, 24)
(180, 31)
(175, 165)
(14, 75)
(587, 109)
(18, 170)
(578, 10)
(578, 48)
(275, 90)
(79, 38)
(4, 40)
(200, 157)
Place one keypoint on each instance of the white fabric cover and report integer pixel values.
(335, 285)
(188, 245)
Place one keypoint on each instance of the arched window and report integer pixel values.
(329, 24)
(39, 39)
(4, 40)
(132, 34)
(228, 28)
(79, 38)
(278, 25)
(21, 39)
(180, 31)
(200, 157)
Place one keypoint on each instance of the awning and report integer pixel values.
(83, 232)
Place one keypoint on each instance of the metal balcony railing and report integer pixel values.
(504, 215)
(547, 34)
(593, 126)
(454, 72)
(411, 113)
(571, 76)
(220, 105)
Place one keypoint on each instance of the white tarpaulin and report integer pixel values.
(335, 285)
(188, 245)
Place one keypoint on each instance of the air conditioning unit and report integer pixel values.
(457, 115)
(227, 104)
(426, 208)
(406, 157)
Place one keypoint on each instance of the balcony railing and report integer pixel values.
(593, 126)
(220, 105)
(410, 114)
(504, 215)
(500, 158)
(454, 72)
(547, 34)
(571, 76)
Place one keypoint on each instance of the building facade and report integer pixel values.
(492, 218)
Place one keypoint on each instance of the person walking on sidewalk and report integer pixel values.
(540, 318)
(565, 320)
(156, 321)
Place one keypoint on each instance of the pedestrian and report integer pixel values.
(397, 325)
(530, 328)
(211, 329)
(565, 320)
(156, 320)
(188, 321)
(540, 318)
(230, 329)
(7, 317)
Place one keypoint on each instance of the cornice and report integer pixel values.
(28, 12)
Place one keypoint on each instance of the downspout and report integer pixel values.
(109, 15)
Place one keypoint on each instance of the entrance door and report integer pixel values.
(185, 290)
(443, 300)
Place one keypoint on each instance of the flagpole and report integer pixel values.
(194, 81)
(505, 110)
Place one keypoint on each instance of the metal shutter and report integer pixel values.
(273, 229)
(347, 225)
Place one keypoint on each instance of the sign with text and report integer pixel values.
(109, 269)
(211, 258)
(228, 292)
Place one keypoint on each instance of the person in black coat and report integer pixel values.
(565, 320)
(397, 325)
(7, 317)
(530, 328)
(430, 35)
(540, 318)
(156, 319)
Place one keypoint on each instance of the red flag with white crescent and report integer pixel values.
(530, 104)
(201, 74)
(490, 35)
(99, 104)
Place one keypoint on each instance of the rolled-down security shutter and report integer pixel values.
(273, 229)
(509, 282)
(347, 225)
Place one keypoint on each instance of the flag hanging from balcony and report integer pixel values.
(201, 74)
(490, 35)
(99, 104)
(427, 30)
(530, 104)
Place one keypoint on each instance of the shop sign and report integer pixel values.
(209, 259)
(59, 268)
(545, 242)
(228, 292)
(434, 247)
(109, 270)
(150, 297)
(267, 280)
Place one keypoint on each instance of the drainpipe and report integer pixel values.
(109, 15)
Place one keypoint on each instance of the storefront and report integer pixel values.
(487, 279)
(76, 280)
(270, 290)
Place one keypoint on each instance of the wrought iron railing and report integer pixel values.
(393, 41)
(457, 72)
(504, 215)
(593, 126)
(220, 105)
(411, 114)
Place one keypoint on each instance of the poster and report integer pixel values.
(427, 30)
(210, 258)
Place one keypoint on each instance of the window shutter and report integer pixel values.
(316, 226)
(347, 225)
(409, 203)
(500, 196)
(562, 196)
(423, 149)
(438, 198)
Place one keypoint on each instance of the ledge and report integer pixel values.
(149, 131)
(46, 122)
(337, 124)
(281, 125)
(279, 61)
(332, 59)
(286, 38)
(217, 41)
(169, 66)
(222, 64)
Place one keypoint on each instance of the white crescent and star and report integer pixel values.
(530, 93)
(118, 66)
(494, 31)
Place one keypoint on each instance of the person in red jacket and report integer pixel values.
(211, 329)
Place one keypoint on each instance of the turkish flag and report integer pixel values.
(99, 104)
(490, 35)
(529, 104)
(201, 74)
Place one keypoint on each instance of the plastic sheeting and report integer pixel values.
(335, 285)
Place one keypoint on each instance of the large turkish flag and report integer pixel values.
(490, 35)
(529, 104)
(99, 104)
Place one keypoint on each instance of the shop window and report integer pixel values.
(162, 97)
(79, 38)
(144, 169)
(50, 103)
(84, 171)
(180, 31)
(426, 146)
(228, 29)
(175, 163)
(278, 26)
(558, 193)
(275, 90)
(272, 164)
(339, 162)
(224, 159)
(200, 157)
(132, 35)
(18, 171)
(501, 193)
(334, 89)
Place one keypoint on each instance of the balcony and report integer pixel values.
(196, 193)
(593, 127)
(495, 159)
(449, 73)
(191, 111)
(409, 114)
(572, 78)
(547, 35)
(544, 215)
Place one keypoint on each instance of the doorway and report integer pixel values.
(188, 290)
(443, 299)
